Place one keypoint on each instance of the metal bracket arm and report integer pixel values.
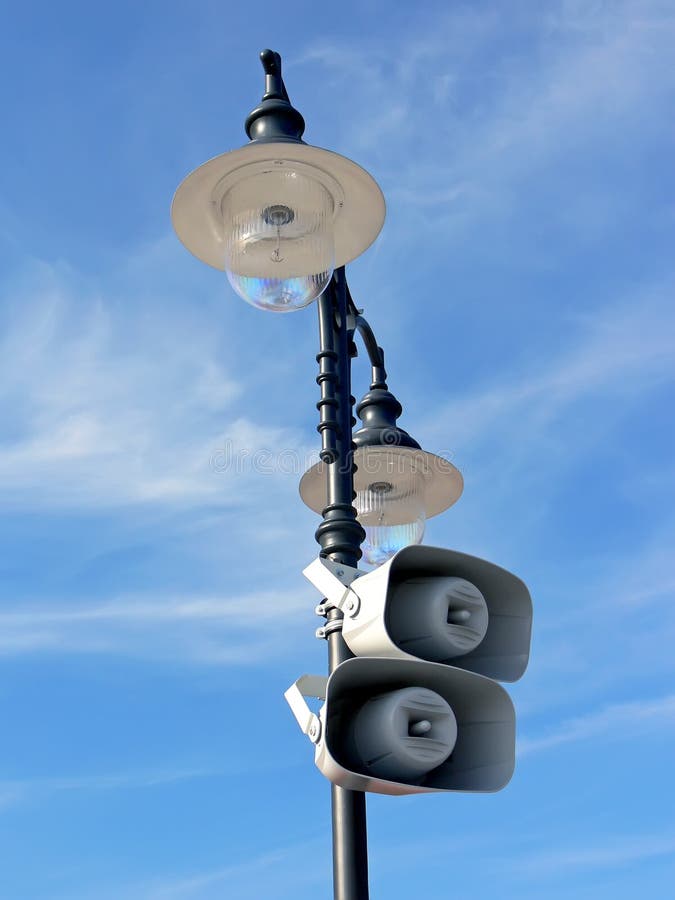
(307, 686)
(333, 580)
(375, 353)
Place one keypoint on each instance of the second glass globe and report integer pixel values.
(389, 502)
(277, 226)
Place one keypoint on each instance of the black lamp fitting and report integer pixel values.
(275, 120)
(379, 410)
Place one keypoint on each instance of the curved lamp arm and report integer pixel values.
(375, 352)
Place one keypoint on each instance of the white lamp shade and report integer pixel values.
(442, 483)
(351, 201)
(397, 490)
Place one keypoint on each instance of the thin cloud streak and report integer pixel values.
(595, 635)
(240, 630)
(626, 350)
(619, 720)
(235, 610)
(83, 391)
(18, 791)
(585, 90)
(620, 850)
(278, 872)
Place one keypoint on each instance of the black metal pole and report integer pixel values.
(340, 536)
(350, 839)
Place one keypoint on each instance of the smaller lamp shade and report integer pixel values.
(397, 490)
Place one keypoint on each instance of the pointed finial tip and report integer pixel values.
(271, 61)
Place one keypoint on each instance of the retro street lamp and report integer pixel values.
(414, 645)
(278, 215)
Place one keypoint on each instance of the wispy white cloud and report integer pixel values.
(18, 791)
(239, 630)
(278, 872)
(614, 721)
(256, 870)
(561, 409)
(10, 795)
(615, 851)
(449, 83)
(602, 632)
(105, 406)
(236, 611)
(618, 353)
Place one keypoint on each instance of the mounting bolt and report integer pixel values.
(352, 606)
(314, 732)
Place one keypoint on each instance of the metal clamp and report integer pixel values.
(324, 631)
(307, 686)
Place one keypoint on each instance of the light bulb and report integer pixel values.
(277, 227)
(391, 510)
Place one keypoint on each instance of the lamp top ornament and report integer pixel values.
(209, 200)
(275, 119)
(378, 410)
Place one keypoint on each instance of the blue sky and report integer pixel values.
(152, 610)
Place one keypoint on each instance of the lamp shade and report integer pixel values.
(397, 485)
(272, 213)
(397, 490)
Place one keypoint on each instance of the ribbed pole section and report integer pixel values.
(340, 536)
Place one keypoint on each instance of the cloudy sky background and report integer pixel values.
(152, 610)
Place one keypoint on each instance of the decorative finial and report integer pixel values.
(274, 82)
(275, 120)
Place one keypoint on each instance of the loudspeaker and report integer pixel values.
(444, 606)
(397, 726)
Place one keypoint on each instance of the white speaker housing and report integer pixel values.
(369, 607)
(483, 757)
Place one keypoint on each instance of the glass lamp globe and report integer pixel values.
(389, 503)
(278, 242)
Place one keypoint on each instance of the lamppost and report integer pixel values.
(282, 218)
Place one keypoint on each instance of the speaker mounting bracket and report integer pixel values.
(333, 580)
(307, 686)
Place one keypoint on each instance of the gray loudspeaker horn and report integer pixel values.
(434, 604)
(393, 726)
